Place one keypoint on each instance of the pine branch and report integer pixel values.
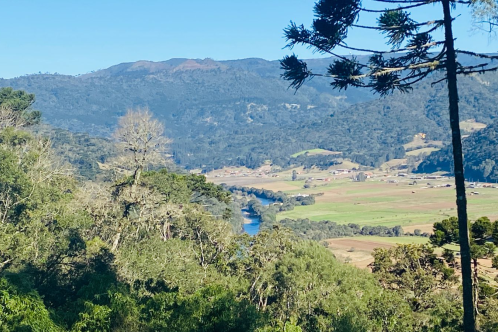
(418, 79)
(311, 44)
(422, 2)
(297, 72)
(434, 28)
(398, 8)
(433, 65)
(480, 71)
(478, 55)
(467, 72)
(396, 27)
(482, 65)
(428, 45)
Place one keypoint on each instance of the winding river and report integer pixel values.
(252, 227)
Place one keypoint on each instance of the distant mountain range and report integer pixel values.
(241, 112)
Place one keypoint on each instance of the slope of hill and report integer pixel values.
(480, 153)
(241, 113)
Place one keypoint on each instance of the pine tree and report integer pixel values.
(414, 55)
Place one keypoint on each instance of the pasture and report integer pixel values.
(471, 126)
(420, 151)
(313, 152)
(376, 202)
(358, 250)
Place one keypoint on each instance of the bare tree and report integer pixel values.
(9, 118)
(140, 141)
(144, 213)
(43, 167)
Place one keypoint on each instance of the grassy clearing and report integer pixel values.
(377, 202)
(471, 126)
(312, 152)
(419, 142)
(358, 250)
(392, 163)
(422, 150)
(392, 210)
(322, 187)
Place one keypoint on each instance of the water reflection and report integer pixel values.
(253, 224)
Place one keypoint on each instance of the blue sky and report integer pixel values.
(76, 37)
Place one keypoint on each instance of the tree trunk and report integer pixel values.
(116, 242)
(461, 200)
(136, 175)
(166, 232)
(476, 285)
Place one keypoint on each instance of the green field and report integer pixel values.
(380, 203)
(363, 214)
(376, 201)
(368, 243)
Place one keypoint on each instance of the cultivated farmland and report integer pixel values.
(381, 200)
(384, 199)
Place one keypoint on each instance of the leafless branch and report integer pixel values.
(140, 139)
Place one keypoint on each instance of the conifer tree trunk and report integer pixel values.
(461, 201)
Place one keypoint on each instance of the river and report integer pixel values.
(252, 227)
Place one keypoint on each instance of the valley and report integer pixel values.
(248, 129)
(384, 199)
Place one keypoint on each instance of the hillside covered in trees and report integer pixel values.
(241, 113)
(480, 155)
(160, 251)
(145, 250)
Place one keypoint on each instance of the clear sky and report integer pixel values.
(76, 37)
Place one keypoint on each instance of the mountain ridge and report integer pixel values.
(240, 112)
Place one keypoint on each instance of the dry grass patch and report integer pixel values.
(419, 142)
(471, 125)
(421, 150)
(349, 243)
(424, 228)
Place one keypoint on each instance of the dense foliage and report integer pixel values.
(128, 257)
(484, 236)
(82, 151)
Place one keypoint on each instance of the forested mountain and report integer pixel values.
(480, 156)
(241, 113)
